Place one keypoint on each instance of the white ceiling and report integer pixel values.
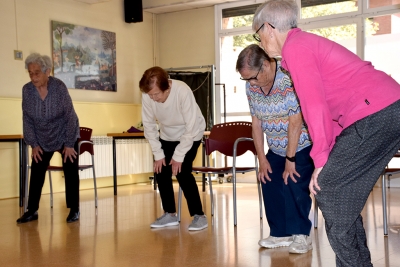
(167, 6)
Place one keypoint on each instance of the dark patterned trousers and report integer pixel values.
(355, 163)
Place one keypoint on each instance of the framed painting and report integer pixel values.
(83, 57)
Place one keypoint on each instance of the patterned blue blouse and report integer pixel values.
(274, 109)
(50, 123)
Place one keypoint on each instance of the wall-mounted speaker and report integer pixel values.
(133, 11)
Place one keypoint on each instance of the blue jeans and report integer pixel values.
(287, 206)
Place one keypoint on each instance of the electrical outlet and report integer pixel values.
(18, 55)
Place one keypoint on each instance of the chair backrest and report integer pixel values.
(86, 134)
(223, 136)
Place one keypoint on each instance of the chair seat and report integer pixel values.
(390, 171)
(221, 169)
(84, 167)
(55, 168)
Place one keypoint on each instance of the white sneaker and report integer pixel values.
(301, 244)
(275, 242)
(199, 223)
(167, 219)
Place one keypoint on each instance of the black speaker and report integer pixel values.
(133, 11)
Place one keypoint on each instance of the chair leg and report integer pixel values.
(26, 187)
(211, 195)
(179, 204)
(234, 197)
(155, 181)
(95, 188)
(51, 190)
(385, 223)
(315, 213)
(260, 197)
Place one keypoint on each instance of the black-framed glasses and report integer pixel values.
(256, 36)
(253, 78)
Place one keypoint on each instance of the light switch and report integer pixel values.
(18, 55)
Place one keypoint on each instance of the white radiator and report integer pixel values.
(133, 156)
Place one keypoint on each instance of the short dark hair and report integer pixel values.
(251, 57)
(154, 76)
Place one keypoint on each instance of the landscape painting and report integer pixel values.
(83, 57)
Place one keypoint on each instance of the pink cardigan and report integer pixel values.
(335, 87)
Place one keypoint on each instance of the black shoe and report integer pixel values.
(27, 217)
(73, 216)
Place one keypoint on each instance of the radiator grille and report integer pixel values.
(134, 156)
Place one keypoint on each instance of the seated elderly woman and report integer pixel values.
(49, 124)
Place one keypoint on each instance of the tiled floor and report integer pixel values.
(118, 233)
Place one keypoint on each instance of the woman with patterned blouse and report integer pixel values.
(286, 170)
(50, 124)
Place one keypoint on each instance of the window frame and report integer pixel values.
(357, 17)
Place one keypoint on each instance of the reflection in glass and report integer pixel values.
(382, 48)
(381, 3)
(346, 35)
(240, 16)
(319, 8)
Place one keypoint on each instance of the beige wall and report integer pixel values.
(180, 39)
(186, 38)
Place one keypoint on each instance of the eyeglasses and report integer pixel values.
(253, 78)
(256, 36)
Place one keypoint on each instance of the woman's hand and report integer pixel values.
(36, 152)
(176, 167)
(290, 171)
(69, 152)
(158, 165)
(263, 171)
(314, 181)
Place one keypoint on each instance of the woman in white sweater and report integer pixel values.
(169, 105)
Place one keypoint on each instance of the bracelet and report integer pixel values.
(291, 159)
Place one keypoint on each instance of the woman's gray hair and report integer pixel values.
(282, 14)
(251, 58)
(42, 60)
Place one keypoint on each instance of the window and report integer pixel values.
(319, 8)
(382, 47)
(237, 17)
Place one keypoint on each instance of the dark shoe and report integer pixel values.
(27, 217)
(73, 216)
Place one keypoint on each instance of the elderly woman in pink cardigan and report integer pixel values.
(352, 112)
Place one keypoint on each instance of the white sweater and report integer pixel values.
(179, 119)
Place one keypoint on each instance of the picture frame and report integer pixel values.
(84, 58)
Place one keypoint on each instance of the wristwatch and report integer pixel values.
(291, 159)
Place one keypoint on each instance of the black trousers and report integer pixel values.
(38, 173)
(355, 163)
(185, 179)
